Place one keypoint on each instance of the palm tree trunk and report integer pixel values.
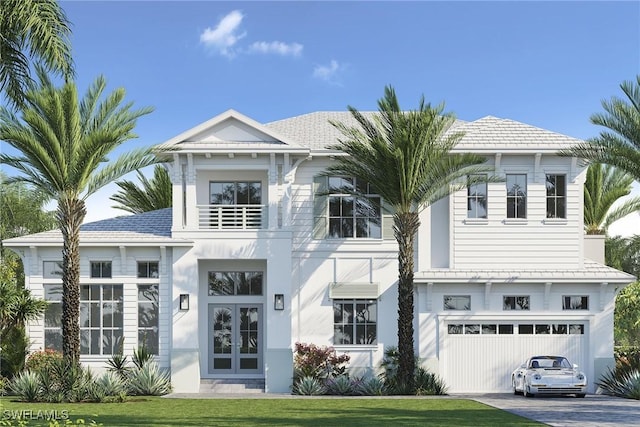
(70, 215)
(405, 228)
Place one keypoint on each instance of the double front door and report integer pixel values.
(235, 339)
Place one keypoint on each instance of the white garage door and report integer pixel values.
(479, 357)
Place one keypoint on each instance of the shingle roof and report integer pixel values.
(489, 133)
(592, 272)
(147, 227)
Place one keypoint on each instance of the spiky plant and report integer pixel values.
(309, 386)
(149, 381)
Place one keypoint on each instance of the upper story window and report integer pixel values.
(515, 302)
(52, 269)
(556, 196)
(351, 216)
(235, 283)
(516, 195)
(101, 269)
(148, 269)
(575, 302)
(477, 198)
(235, 193)
(457, 302)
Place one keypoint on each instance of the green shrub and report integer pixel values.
(621, 383)
(120, 365)
(318, 362)
(373, 386)
(149, 381)
(341, 385)
(141, 356)
(424, 381)
(309, 386)
(428, 383)
(112, 384)
(42, 359)
(26, 386)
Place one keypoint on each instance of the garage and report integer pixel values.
(479, 357)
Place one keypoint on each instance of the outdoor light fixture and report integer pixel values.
(184, 302)
(278, 302)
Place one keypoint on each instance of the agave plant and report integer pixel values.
(340, 385)
(428, 383)
(621, 383)
(149, 381)
(309, 386)
(141, 356)
(120, 365)
(26, 386)
(373, 386)
(112, 384)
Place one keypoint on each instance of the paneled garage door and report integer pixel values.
(480, 356)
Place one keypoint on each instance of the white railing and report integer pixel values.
(231, 217)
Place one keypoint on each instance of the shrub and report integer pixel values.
(341, 385)
(112, 384)
(309, 386)
(141, 356)
(149, 381)
(373, 386)
(120, 365)
(621, 383)
(26, 386)
(424, 381)
(42, 359)
(428, 383)
(318, 362)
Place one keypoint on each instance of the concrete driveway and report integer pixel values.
(594, 410)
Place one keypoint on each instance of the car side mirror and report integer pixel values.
(575, 366)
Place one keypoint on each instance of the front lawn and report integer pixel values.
(302, 411)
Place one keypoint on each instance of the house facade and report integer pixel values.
(262, 250)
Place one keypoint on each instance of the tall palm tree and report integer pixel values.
(154, 194)
(407, 158)
(619, 144)
(32, 29)
(64, 143)
(603, 187)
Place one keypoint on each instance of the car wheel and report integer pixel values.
(580, 395)
(527, 393)
(513, 384)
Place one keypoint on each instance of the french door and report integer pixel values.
(235, 339)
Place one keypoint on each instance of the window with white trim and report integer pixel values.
(228, 283)
(350, 215)
(477, 197)
(101, 319)
(556, 196)
(355, 321)
(515, 302)
(457, 302)
(101, 269)
(148, 269)
(148, 318)
(575, 302)
(516, 195)
(53, 317)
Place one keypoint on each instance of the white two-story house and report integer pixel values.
(261, 250)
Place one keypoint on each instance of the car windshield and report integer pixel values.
(549, 362)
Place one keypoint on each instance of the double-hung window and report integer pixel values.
(476, 197)
(101, 319)
(351, 215)
(355, 321)
(516, 195)
(556, 196)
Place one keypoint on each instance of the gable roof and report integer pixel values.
(141, 229)
(487, 134)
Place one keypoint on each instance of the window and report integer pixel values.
(516, 196)
(148, 317)
(543, 329)
(52, 269)
(351, 216)
(476, 329)
(148, 269)
(235, 283)
(556, 196)
(457, 302)
(515, 302)
(101, 319)
(505, 329)
(576, 329)
(53, 317)
(101, 269)
(355, 321)
(477, 198)
(525, 329)
(575, 302)
(235, 193)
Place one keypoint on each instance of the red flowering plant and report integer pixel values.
(318, 362)
(42, 359)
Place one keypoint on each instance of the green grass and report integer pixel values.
(161, 412)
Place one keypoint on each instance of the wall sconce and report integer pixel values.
(278, 302)
(184, 302)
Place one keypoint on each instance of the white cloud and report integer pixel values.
(225, 35)
(327, 72)
(280, 48)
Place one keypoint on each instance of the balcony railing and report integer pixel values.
(231, 217)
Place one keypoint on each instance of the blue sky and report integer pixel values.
(548, 64)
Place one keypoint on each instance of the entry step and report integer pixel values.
(231, 386)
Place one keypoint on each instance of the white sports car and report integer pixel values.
(548, 375)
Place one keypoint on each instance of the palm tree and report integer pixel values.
(406, 157)
(36, 29)
(603, 187)
(154, 194)
(64, 143)
(619, 144)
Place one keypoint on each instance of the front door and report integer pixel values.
(235, 338)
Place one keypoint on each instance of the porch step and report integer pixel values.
(232, 386)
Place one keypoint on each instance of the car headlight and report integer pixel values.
(580, 377)
(537, 377)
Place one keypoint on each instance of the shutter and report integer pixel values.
(387, 221)
(355, 290)
(320, 208)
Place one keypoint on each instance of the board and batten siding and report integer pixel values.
(535, 242)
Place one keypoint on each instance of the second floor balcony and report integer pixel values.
(232, 217)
